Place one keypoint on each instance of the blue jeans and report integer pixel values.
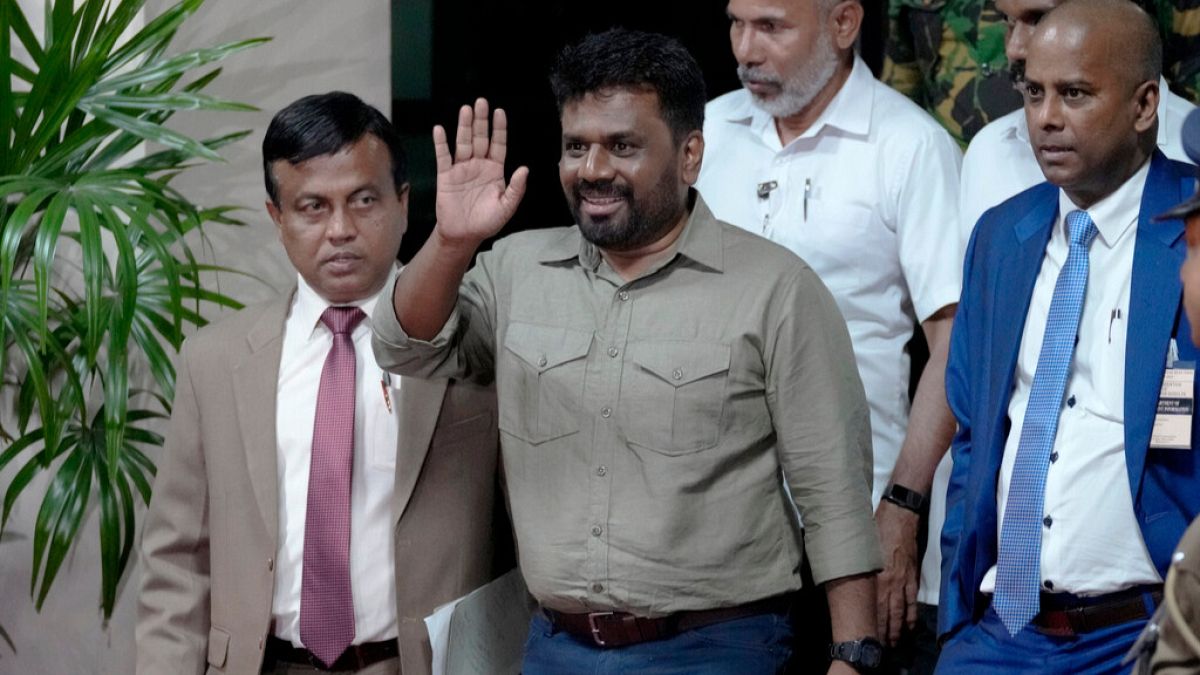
(759, 644)
(986, 647)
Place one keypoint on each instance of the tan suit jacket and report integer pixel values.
(211, 532)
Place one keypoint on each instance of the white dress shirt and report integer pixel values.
(1093, 544)
(306, 342)
(867, 196)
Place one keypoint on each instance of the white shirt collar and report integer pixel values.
(308, 305)
(848, 111)
(1117, 213)
(1021, 129)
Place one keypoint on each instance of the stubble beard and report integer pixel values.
(645, 222)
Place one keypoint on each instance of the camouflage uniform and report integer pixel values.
(948, 56)
(1181, 44)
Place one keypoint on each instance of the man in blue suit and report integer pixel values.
(1062, 514)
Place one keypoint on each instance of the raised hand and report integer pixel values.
(473, 201)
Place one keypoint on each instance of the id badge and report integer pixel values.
(1176, 404)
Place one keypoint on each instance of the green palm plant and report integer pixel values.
(90, 91)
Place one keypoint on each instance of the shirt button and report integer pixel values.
(1071, 402)
(597, 587)
(601, 470)
(1054, 456)
(541, 361)
(1048, 584)
(1047, 521)
(270, 564)
(677, 374)
(260, 644)
(597, 530)
(613, 351)
(606, 412)
(623, 295)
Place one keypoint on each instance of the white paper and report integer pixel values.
(483, 632)
(438, 625)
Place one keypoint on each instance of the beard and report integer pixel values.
(645, 220)
(799, 89)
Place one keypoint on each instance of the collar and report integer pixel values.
(1115, 214)
(308, 305)
(849, 111)
(1020, 130)
(701, 241)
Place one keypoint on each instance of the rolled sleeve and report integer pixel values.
(823, 430)
(462, 349)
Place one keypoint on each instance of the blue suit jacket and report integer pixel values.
(1002, 263)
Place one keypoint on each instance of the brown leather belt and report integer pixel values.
(356, 657)
(618, 629)
(1064, 615)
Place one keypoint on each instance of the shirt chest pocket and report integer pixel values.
(673, 395)
(840, 241)
(541, 379)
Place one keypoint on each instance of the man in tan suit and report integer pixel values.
(248, 565)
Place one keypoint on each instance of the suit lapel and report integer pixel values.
(420, 403)
(1015, 279)
(1153, 306)
(256, 379)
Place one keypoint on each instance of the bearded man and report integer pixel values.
(815, 154)
(656, 371)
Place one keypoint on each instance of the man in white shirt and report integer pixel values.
(815, 154)
(1063, 510)
(302, 516)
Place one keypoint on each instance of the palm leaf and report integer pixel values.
(175, 65)
(69, 116)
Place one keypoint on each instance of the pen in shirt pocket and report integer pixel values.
(385, 383)
(1113, 317)
(807, 194)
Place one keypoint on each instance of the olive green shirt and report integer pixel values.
(644, 424)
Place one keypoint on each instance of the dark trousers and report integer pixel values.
(986, 647)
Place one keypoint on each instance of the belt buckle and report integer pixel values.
(591, 618)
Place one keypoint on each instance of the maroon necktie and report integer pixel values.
(326, 605)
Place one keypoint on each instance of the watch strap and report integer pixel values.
(905, 498)
(864, 654)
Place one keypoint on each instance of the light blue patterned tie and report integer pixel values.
(1019, 568)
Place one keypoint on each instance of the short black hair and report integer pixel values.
(630, 59)
(322, 124)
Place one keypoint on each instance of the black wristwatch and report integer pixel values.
(865, 654)
(905, 498)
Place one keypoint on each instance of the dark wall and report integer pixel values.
(503, 51)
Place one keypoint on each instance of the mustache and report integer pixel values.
(601, 189)
(752, 74)
(1016, 72)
